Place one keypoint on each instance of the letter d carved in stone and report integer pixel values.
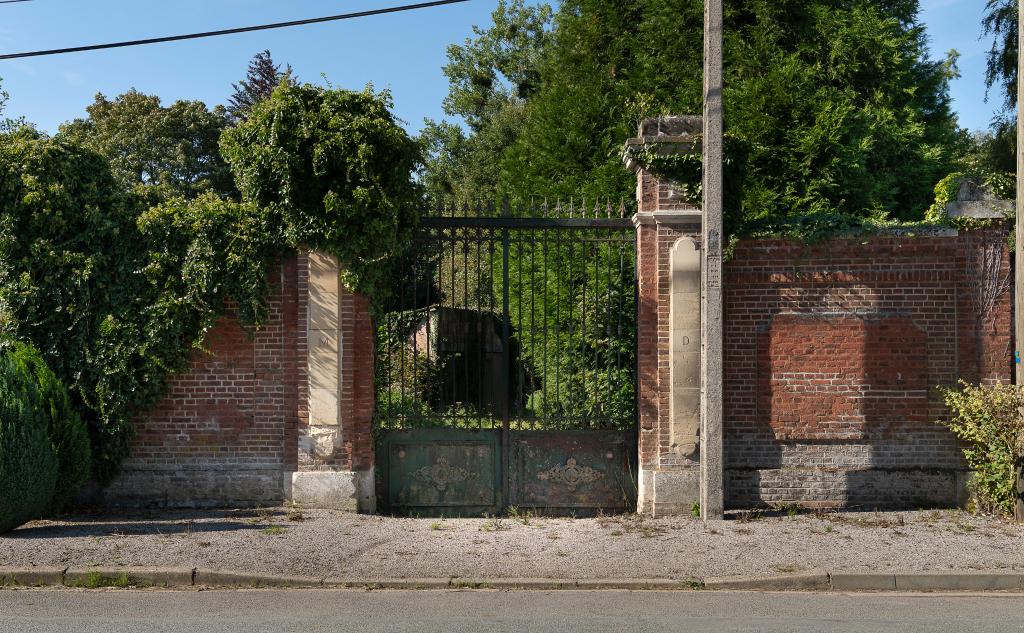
(684, 326)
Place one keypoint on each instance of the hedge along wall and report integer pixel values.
(232, 429)
(831, 352)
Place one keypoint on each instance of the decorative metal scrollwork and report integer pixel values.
(571, 474)
(441, 474)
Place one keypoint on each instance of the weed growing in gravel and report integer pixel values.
(516, 514)
(261, 515)
(695, 510)
(438, 525)
(494, 524)
(787, 568)
(273, 530)
(746, 516)
(295, 513)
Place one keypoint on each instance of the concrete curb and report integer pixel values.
(34, 577)
(97, 577)
(814, 580)
(253, 581)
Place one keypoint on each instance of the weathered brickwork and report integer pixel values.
(228, 429)
(831, 353)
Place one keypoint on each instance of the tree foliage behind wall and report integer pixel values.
(835, 103)
(113, 303)
(170, 150)
(262, 78)
(117, 294)
(331, 169)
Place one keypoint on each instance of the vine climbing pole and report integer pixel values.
(1018, 283)
(711, 469)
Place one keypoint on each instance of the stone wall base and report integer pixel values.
(668, 492)
(674, 492)
(351, 491)
(834, 488)
(205, 486)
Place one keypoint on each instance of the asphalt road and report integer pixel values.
(311, 611)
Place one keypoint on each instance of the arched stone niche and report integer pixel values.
(684, 337)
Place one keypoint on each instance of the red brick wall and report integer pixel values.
(228, 429)
(831, 352)
(357, 387)
(842, 377)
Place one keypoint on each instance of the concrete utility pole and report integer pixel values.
(1018, 263)
(711, 469)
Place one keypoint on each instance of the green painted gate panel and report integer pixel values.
(569, 471)
(443, 471)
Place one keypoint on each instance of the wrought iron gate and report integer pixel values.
(506, 366)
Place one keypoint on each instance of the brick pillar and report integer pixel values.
(334, 445)
(668, 321)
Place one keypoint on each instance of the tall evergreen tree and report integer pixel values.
(836, 105)
(261, 79)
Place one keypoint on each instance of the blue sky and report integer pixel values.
(403, 52)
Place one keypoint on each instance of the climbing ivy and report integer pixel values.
(117, 294)
(330, 169)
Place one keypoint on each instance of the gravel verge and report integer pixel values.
(320, 543)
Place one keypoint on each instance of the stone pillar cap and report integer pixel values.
(974, 200)
(673, 125)
(675, 134)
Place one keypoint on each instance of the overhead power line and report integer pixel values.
(244, 29)
(13, 1)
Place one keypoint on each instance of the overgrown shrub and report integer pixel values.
(987, 418)
(332, 170)
(68, 433)
(28, 462)
(116, 295)
(69, 249)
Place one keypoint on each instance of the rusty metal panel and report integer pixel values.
(563, 471)
(443, 471)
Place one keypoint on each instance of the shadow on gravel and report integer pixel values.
(149, 524)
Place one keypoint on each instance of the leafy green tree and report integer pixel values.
(333, 169)
(70, 252)
(262, 78)
(996, 151)
(835, 103)
(1000, 23)
(115, 300)
(8, 125)
(490, 78)
(172, 151)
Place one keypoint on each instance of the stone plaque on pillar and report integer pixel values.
(323, 437)
(684, 318)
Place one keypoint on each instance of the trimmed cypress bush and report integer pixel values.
(68, 432)
(28, 462)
